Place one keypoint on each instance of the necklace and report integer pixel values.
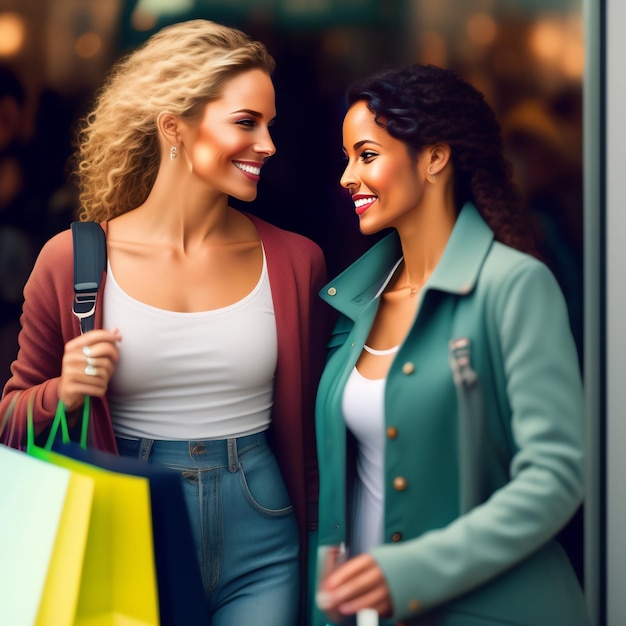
(396, 275)
(381, 352)
(413, 289)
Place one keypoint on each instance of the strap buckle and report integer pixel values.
(84, 305)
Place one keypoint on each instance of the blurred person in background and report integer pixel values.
(18, 213)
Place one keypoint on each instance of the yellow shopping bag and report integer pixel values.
(60, 593)
(117, 584)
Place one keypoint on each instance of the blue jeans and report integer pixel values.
(243, 524)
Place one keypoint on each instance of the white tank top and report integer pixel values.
(363, 407)
(205, 375)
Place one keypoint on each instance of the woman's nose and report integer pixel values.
(348, 179)
(265, 145)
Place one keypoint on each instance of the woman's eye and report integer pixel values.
(367, 155)
(246, 122)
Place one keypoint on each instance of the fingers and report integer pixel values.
(352, 570)
(88, 364)
(377, 598)
(356, 585)
(95, 343)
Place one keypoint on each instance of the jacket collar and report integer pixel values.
(456, 272)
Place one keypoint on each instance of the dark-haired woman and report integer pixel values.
(449, 419)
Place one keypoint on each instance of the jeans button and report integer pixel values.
(198, 448)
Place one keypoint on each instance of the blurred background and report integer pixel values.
(527, 56)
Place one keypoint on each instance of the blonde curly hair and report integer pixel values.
(179, 69)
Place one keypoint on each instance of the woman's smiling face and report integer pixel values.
(232, 139)
(382, 176)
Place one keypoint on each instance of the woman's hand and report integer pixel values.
(357, 584)
(88, 364)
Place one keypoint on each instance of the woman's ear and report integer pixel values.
(439, 156)
(167, 125)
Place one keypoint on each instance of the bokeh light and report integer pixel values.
(88, 45)
(481, 29)
(559, 44)
(143, 20)
(547, 39)
(12, 34)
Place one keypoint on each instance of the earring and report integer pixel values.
(434, 176)
(173, 152)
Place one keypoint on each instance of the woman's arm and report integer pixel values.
(35, 374)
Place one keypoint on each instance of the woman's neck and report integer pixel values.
(423, 244)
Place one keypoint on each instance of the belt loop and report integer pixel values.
(233, 458)
(145, 446)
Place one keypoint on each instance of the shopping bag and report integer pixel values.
(43, 525)
(118, 583)
(182, 600)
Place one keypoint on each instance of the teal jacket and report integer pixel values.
(437, 558)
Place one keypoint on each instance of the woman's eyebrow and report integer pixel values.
(361, 143)
(251, 112)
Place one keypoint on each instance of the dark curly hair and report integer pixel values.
(422, 105)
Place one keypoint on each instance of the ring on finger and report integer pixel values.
(90, 370)
(91, 360)
(87, 351)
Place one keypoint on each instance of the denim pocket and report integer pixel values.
(262, 482)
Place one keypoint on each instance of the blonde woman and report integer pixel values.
(206, 349)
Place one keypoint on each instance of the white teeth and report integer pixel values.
(249, 168)
(361, 201)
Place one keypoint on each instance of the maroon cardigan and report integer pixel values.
(296, 271)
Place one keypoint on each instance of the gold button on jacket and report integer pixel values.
(399, 483)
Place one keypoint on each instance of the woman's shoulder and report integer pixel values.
(55, 259)
(58, 248)
(504, 264)
(58, 243)
(511, 279)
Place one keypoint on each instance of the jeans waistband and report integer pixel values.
(214, 451)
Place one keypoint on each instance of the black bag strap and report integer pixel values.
(90, 257)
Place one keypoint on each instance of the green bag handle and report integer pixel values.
(60, 421)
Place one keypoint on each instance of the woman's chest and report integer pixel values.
(204, 280)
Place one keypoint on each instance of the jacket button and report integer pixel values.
(331, 291)
(414, 606)
(399, 483)
(408, 368)
(392, 432)
(395, 537)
